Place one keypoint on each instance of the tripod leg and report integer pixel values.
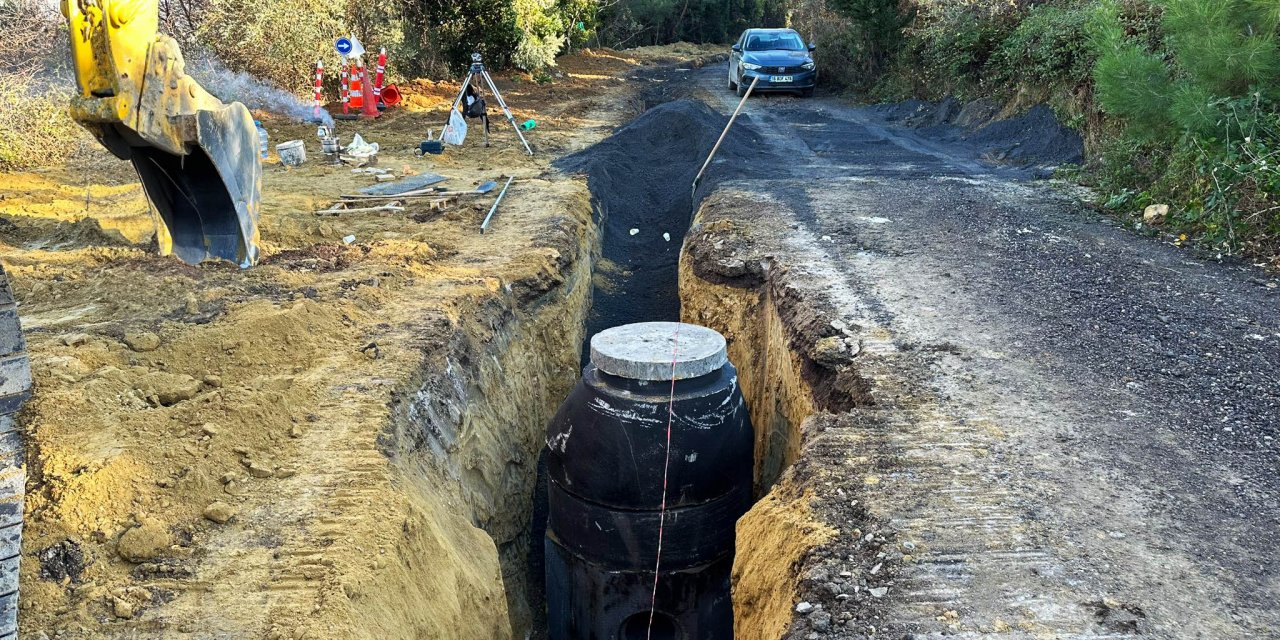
(505, 111)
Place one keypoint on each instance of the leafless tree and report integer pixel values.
(34, 36)
(180, 18)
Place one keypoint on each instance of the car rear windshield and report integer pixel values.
(774, 42)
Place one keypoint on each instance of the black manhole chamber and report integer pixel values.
(606, 453)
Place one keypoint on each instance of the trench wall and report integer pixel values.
(776, 534)
(774, 330)
(769, 373)
(465, 437)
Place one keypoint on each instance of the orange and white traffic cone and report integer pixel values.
(355, 91)
(377, 78)
(319, 82)
(346, 90)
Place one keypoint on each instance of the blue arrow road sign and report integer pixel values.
(343, 45)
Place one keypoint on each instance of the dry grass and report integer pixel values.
(35, 125)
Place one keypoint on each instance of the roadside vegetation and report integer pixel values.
(1176, 99)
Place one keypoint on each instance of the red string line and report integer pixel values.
(666, 467)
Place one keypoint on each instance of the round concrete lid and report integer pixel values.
(644, 351)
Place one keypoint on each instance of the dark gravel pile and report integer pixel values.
(1034, 138)
(641, 179)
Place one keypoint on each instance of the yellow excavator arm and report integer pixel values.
(196, 156)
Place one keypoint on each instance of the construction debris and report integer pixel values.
(292, 153)
(360, 152)
(400, 187)
(372, 200)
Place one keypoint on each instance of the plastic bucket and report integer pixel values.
(292, 153)
(390, 95)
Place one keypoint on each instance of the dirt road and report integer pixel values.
(1063, 429)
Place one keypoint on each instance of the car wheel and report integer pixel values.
(733, 86)
(741, 89)
(806, 93)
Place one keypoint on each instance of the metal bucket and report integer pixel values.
(292, 153)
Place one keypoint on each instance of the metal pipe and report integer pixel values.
(485, 225)
(724, 133)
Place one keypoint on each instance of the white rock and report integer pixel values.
(804, 607)
(878, 592)
(1155, 214)
(667, 237)
(635, 231)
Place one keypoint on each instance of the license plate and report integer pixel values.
(781, 78)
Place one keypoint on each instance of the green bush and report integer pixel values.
(542, 34)
(278, 41)
(581, 20)
(629, 23)
(442, 34)
(876, 29)
(1049, 46)
(378, 23)
(1210, 99)
(837, 42)
(1217, 49)
(948, 50)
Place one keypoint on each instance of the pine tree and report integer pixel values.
(878, 26)
(1219, 50)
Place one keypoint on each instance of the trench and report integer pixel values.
(487, 435)
(639, 180)
(640, 183)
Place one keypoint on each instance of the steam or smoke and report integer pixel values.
(255, 93)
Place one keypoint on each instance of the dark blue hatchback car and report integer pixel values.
(779, 57)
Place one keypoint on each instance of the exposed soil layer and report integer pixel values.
(799, 360)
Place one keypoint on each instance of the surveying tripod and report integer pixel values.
(477, 69)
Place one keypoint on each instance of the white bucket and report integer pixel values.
(292, 153)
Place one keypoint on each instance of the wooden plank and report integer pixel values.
(334, 212)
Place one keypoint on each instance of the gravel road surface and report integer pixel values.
(1092, 448)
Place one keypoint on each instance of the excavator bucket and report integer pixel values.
(207, 198)
(196, 156)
